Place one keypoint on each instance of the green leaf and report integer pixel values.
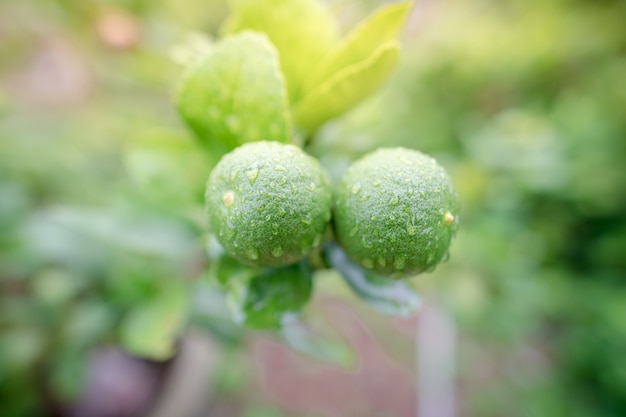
(346, 88)
(150, 329)
(383, 294)
(302, 30)
(272, 297)
(235, 93)
(378, 29)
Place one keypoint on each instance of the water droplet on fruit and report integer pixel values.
(229, 198)
(233, 174)
(252, 175)
(399, 262)
(252, 253)
(277, 251)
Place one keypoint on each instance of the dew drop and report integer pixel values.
(229, 198)
(252, 253)
(252, 175)
(277, 251)
(399, 262)
(233, 174)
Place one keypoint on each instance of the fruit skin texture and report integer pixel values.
(268, 203)
(395, 212)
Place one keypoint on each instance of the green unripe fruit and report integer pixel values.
(268, 203)
(395, 212)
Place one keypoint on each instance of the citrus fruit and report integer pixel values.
(268, 203)
(395, 212)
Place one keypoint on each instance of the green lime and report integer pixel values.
(395, 212)
(268, 203)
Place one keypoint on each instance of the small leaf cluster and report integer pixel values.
(258, 96)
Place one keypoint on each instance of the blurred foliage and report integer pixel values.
(101, 189)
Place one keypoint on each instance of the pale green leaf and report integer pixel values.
(304, 31)
(346, 88)
(235, 93)
(150, 329)
(379, 28)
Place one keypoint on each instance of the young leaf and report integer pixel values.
(235, 93)
(150, 329)
(346, 88)
(271, 297)
(378, 29)
(383, 294)
(302, 30)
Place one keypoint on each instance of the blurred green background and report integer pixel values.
(102, 226)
